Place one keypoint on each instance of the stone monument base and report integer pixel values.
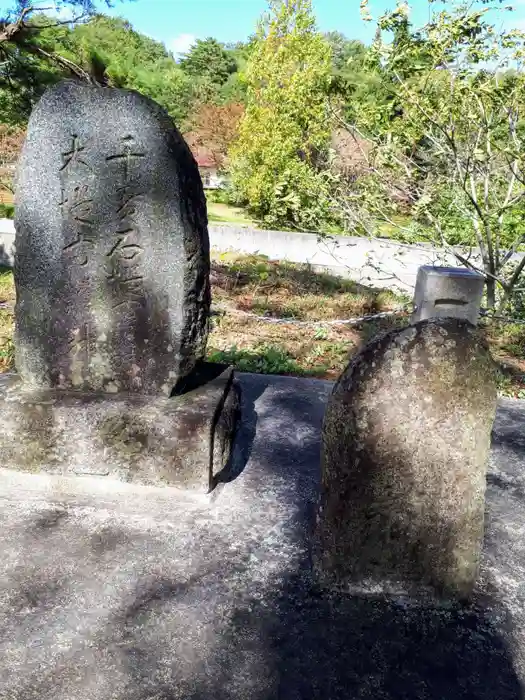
(184, 441)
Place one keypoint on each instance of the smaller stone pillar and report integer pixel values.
(447, 292)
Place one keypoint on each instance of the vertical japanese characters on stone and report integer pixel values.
(112, 247)
(112, 277)
(123, 258)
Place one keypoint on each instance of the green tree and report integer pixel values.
(105, 50)
(208, 59)
(358, 83)
(277, 162)
(453, 156)
(345, 52)
(23, 23)
(28, 59)
(234, 90)
(130, 60)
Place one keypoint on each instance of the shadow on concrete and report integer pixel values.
(508, 428)
(208, 636)
(306, 647)
(508, 449)
(288, 644)
(333, 649)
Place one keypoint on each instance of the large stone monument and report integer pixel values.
(406, 440)
(112, 280)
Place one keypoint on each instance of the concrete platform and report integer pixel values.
(184, 441)
(112, 591)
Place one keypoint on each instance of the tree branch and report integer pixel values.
(10, 30)
(60, 61)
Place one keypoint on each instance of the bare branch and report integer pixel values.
(512, 282)
(10, 30)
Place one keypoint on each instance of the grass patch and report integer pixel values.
(507, 343)
(7, 211)
(257, 346)
(283, 290)
(262, 359)
(386, 229)
(7, 286)
(286, 290)
(253, 284)
(244, 285)
(227, 214)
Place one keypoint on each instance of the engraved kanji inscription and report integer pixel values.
(74, 156)
(76, 204)
(77, 207)
(127, 291)
(121, 273)
(123, 258)
(126, 209)
(128, 157)
(123, 250)
(111, 231)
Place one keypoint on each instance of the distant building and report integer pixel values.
(211, 178)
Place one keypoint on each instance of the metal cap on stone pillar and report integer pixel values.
(447, 291)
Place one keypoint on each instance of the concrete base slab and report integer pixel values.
(182, 441)
(142, 593)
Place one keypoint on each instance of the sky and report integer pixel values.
(178, 23)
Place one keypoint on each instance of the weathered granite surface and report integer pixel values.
(137, 593)
(406, 440)
(183, 441)
(112, 249)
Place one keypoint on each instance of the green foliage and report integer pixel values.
(37, 50)
(7, 211)
(353, 74)
(24, 77)
(278, 160)
(117, 43)
(344, 51)
(264, 359)
(233, 90)
(506, 383)
(218, 196)
(448, 147)
(27, 56)
(112, 52)
(208, 59)
(133, 61)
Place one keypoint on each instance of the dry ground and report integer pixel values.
(309, 344)
(250, 293)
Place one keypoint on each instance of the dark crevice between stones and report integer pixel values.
(202, 373)
(228, 472)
